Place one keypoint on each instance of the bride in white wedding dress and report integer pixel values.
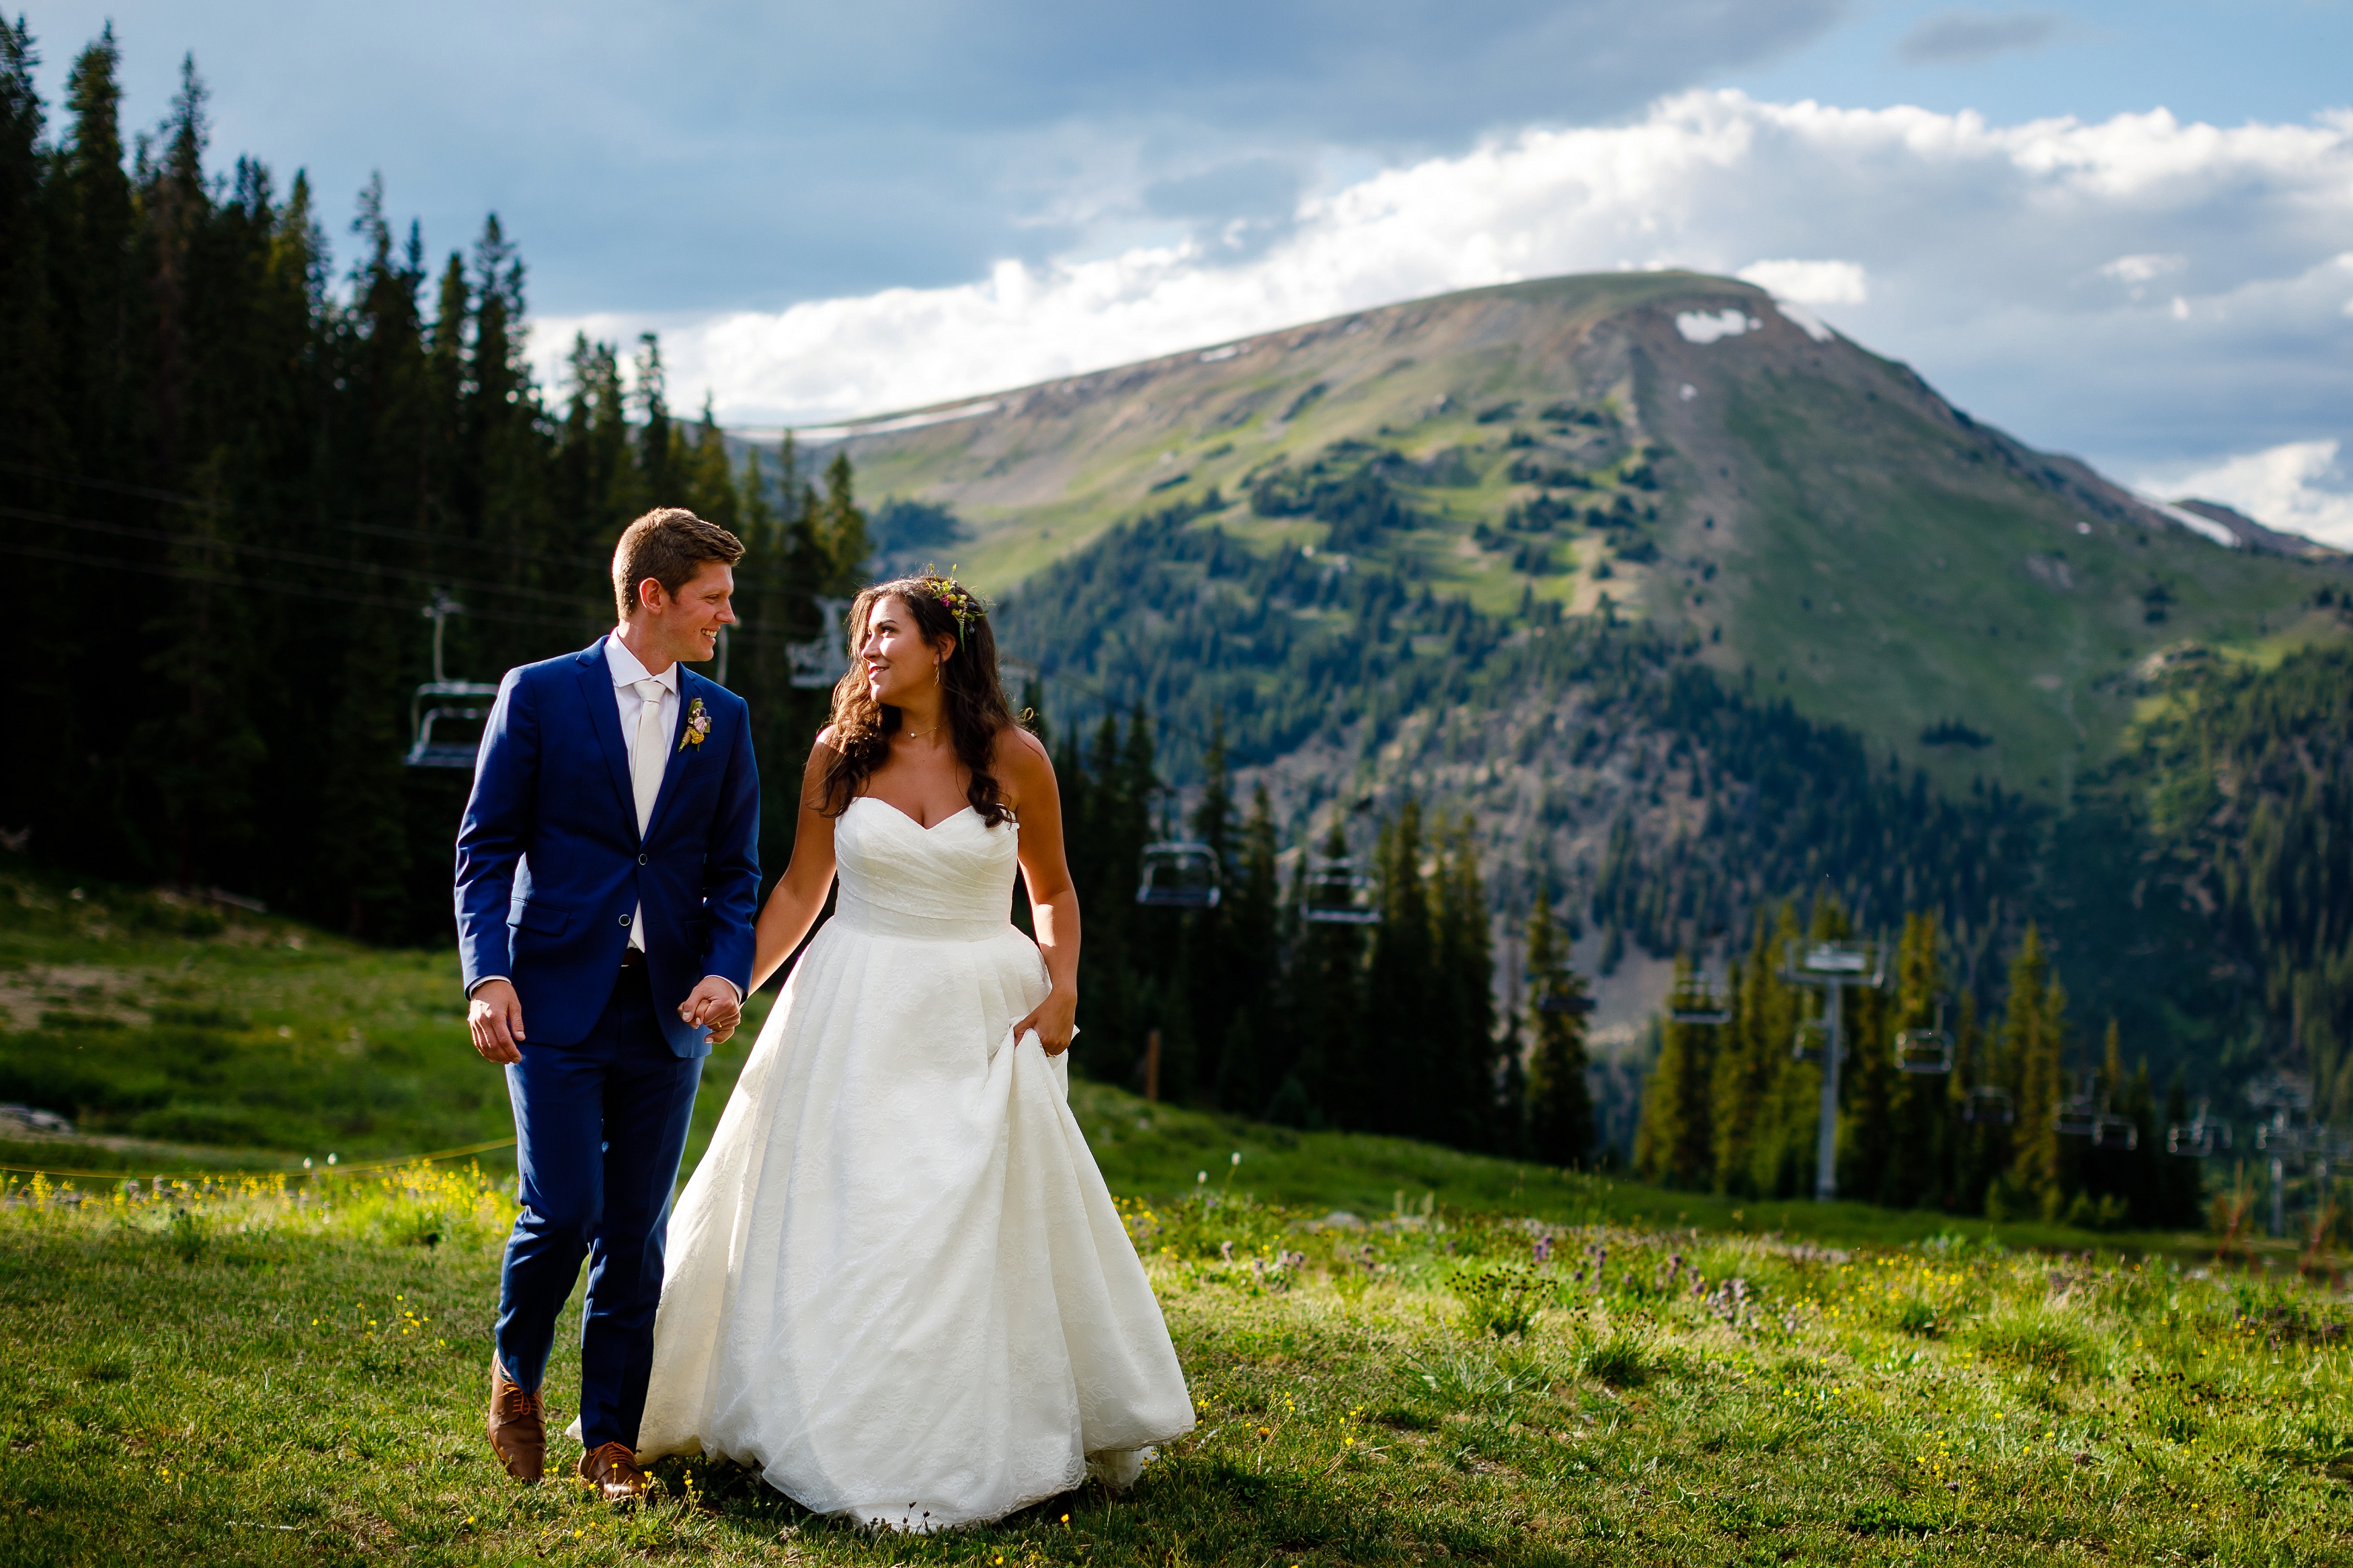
(896, 1284)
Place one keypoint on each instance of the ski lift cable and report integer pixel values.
(598, 565)
(306, 520)
(234, 580)
(188, 573)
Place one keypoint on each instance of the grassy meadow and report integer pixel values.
(1400, 1353)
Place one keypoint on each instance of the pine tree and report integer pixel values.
(2031, 1049)
(1401, 1031)
(1328, 999)
(1918, 1171)
(1749, 1059)
(1465, 976)
(841, 525)
(1560, 1104)
(1673, 1143)
(657, 477)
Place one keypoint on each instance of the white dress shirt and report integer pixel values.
(626, 672)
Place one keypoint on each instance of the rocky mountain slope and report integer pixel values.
(1728, 468)
(1688, 601)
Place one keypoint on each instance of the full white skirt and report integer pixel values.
(896, 1283)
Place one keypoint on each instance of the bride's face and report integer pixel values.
(898, 662)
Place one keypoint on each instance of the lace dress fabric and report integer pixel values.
(896, 1283)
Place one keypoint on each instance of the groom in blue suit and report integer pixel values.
(607, 869)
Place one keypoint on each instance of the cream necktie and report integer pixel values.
(646, 762)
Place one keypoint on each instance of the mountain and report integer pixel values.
(1703, 458)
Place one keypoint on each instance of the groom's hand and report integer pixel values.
(713, 1005)
(495, 1019)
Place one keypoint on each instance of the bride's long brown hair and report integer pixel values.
(971, 698)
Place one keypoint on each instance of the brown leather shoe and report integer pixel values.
(612, 1472)
(518, 1427)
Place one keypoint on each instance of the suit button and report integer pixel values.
(643, 859)
(625, 920)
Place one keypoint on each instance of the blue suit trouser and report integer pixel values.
(599, 1129)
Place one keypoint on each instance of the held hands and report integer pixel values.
(1055, 1019)
(712, 1004)
(494, 1018)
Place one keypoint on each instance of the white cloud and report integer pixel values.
(2298, 486)
(2141, 269)
(1987, 256)
(1811, 282)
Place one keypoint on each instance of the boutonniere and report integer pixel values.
(698, 725)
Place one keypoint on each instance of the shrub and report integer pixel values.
(1621, 1360)
(2039, 1338)
(1498, 1297)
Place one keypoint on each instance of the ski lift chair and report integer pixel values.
(1987, 1106)
(1926, 1053)
(2199, 1138)
(824, 659)
(1179, 876)
(464, 703)
(1811, 1042)
(2076, 1117)
(2110, 1130)
(1696, 1002)
(1569, 1002)
(1339, 892)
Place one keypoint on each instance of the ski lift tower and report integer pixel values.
(424, 751)
(1834, 968)
(2279, 1097)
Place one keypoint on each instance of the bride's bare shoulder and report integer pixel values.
(1016, 747)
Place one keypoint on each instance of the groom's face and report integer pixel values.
(685, 625)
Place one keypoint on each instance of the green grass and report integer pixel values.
(231, 1376)
(375, 1065)
(272, 1370)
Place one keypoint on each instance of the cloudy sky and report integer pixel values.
(2120, 230)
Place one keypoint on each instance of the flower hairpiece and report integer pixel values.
(959, 600)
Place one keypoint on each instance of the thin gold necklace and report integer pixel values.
(918, 735)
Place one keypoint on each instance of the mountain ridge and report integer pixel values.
(1723, 462)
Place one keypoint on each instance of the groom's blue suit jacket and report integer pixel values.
(551, 866)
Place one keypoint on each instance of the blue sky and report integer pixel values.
(831, 210)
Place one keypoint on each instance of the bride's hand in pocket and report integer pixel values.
(1054, 1019)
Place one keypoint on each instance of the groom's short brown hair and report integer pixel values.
(669, 545)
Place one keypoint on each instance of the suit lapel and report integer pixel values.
(680, 754)
(604, 718)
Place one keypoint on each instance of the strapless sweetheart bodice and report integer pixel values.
(952, 881)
